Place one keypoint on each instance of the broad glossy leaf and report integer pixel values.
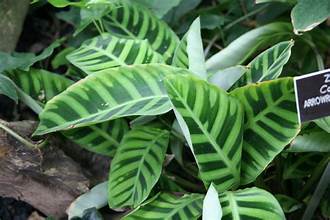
(211, 205)
(270, 123)
(307, 14)
(243, 47)
(174, 15)
(190, 53)
(213, 128)
(123, 91)
(133, 21)
(180, 58)
(107, 51)
(170, 207)
(158, 7)
(195, 50)
(250, 203)
(40, 84)
(268, 65)
(95, 198)
(24, 61)
(8, 88)
(226, 78)
(324, 123)
(103, 138)
(318, 141)
(137, 166)
(65, 3)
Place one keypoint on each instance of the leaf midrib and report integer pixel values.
(145, 153)
(68, 124)
(206, 133)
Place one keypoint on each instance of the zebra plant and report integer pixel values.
(175, 132)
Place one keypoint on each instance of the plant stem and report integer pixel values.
(318, 194)
(19, 138)
(317, 172)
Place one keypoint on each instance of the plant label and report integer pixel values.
(313, 95)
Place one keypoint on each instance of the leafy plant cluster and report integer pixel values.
(191, 131)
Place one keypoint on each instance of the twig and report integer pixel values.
(19, 138)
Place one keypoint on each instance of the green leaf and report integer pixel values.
(136, 167)
(300, 165)
(324, 123)
(159, 7)
(318, 141)
(103, 138)
(211, 205)
(123, 91)
(96, 197)
(180, 58)
(268, 65)
(60, 58)
(212, 21)
(65, 3)
(195, 50)
(8, 88)
(176, 13)
(170, 207)
(107, 51)
(250, 203)
(307, 14)
(243, 47)
(133, 21)
(288, 204)
(212, 124)
(40, 84)
(270, 123)
(190, 53)
(24, 61)
(226, 78)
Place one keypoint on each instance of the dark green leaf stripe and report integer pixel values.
(270, 124)
(268, 65)
(251, 204)
(132, 20)
(180, 58)
(136, 167)
(214, 120)
(41, 85)
(169, 207)
(107, 51)
(102, 138)
(123, 91)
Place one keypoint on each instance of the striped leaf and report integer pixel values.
(180, 58)
(102, 138)
(268, 65)
(250, 203)
(40, 84)
(214, 120)
(133, 21)
(239, 50)
(107, 51)
(123, 91)
(270, 123)
(169, 207)
(136, 167)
